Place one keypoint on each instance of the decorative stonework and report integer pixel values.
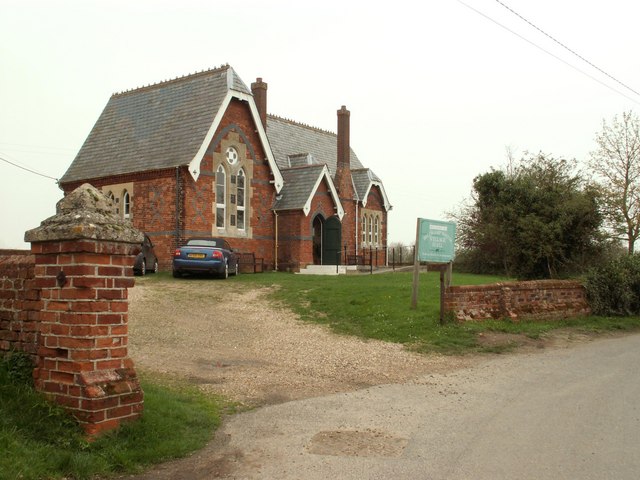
(85, 213)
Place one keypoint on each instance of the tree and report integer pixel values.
(538, 219)
(616, 162)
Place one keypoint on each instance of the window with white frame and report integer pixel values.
(376, 231)
(221, 201)
(240, 198)
(370, 231)
(364, 230)
(126, 204)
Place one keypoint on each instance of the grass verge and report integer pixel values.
(40, 440)
(378, 306)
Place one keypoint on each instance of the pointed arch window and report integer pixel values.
(241, 199)
(370, 231)
(364, 230)
(126, 204)
(376, 231)
(221, 191)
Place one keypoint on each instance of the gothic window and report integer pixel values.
(126, 204)
(376, 231)
(240, 199)
(364, 230)
(221, 204)
(370, 231)
(232, 191)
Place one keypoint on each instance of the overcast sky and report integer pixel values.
(437, 91)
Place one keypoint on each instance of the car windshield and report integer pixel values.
(203, 242)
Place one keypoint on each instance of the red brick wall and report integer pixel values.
(158, 195)
(238, 121)
(76, 327)
(82, 353)
(290, 239)
(536, 300)
(19, 302)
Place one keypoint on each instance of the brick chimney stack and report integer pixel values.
(259, 90)
(343, 167)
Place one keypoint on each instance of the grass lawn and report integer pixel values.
(378, 306)
(39, 440)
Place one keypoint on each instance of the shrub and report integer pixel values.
(614, 288)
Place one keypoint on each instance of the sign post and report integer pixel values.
(435, 243)
(416, 270)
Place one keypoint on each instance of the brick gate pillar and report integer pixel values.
(84, 259)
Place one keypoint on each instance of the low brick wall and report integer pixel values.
(531, 300)
(19, 302)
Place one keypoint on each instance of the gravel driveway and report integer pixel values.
(230, 339)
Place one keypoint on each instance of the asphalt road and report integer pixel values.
(559, 414)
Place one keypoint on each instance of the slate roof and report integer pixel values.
(164, 126)
(288, 138)
(362, 179)
(154, 127)
(298, 186)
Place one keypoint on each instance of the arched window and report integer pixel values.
(370, 222)
(240, 191)
(364, 230)
(126, 204)
(221, 204)
(376, 231)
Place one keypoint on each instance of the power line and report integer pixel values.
(567, 48)
(549, 53)
(40, 147)
(27, 169)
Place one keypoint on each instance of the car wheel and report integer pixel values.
(225, 272)
(143, 268)
(155, 266)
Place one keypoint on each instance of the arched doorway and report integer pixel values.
(318, 228)
(331, 240)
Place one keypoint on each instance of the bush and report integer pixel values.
(614, 288)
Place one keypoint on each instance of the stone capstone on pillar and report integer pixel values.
(86, 213)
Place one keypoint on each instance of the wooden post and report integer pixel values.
(442, 288)
(416, 269)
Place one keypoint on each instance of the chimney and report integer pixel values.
(343, 165)
(344, 151)
(259, 90)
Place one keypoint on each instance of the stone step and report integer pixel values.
(324, 270)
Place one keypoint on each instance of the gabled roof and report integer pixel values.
(300, 186)
(363, 180)
(288, 138)
(166, 125)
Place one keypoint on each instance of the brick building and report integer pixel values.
(199, 156)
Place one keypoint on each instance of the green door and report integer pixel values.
(332, 236)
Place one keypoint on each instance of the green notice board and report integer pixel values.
(436, 240)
